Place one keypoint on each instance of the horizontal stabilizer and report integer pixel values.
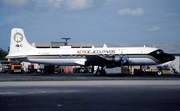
(80, 62)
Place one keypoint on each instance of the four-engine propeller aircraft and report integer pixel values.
(21, 50)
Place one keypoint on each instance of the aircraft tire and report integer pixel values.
(103, 73)
(98, 73)
(160, 73)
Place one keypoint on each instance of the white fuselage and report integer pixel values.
(76, 56)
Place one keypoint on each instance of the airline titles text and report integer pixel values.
(96, 51)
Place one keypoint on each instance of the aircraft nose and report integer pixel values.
(170, 57)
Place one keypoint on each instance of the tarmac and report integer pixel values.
(83, 77)
(82, 92)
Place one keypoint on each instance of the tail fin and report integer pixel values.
(18, 42)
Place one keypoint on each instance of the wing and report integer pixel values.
(98, 60)
(107, 60)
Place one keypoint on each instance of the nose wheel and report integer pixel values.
(160, 73)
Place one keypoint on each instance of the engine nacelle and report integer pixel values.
(117, 58)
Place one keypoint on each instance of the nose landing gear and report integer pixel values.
(159, 72)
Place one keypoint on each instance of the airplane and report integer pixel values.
(106, 57)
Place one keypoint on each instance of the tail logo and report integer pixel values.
(18, 37)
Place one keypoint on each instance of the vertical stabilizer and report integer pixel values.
(18, 42)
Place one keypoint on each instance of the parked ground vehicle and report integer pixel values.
(16, 67)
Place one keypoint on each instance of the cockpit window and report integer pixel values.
(159, 52)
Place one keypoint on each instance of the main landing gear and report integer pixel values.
(100, 71)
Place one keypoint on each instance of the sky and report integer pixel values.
(103, 21)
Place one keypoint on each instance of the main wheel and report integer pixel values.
(98, 72)
(103, 72)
